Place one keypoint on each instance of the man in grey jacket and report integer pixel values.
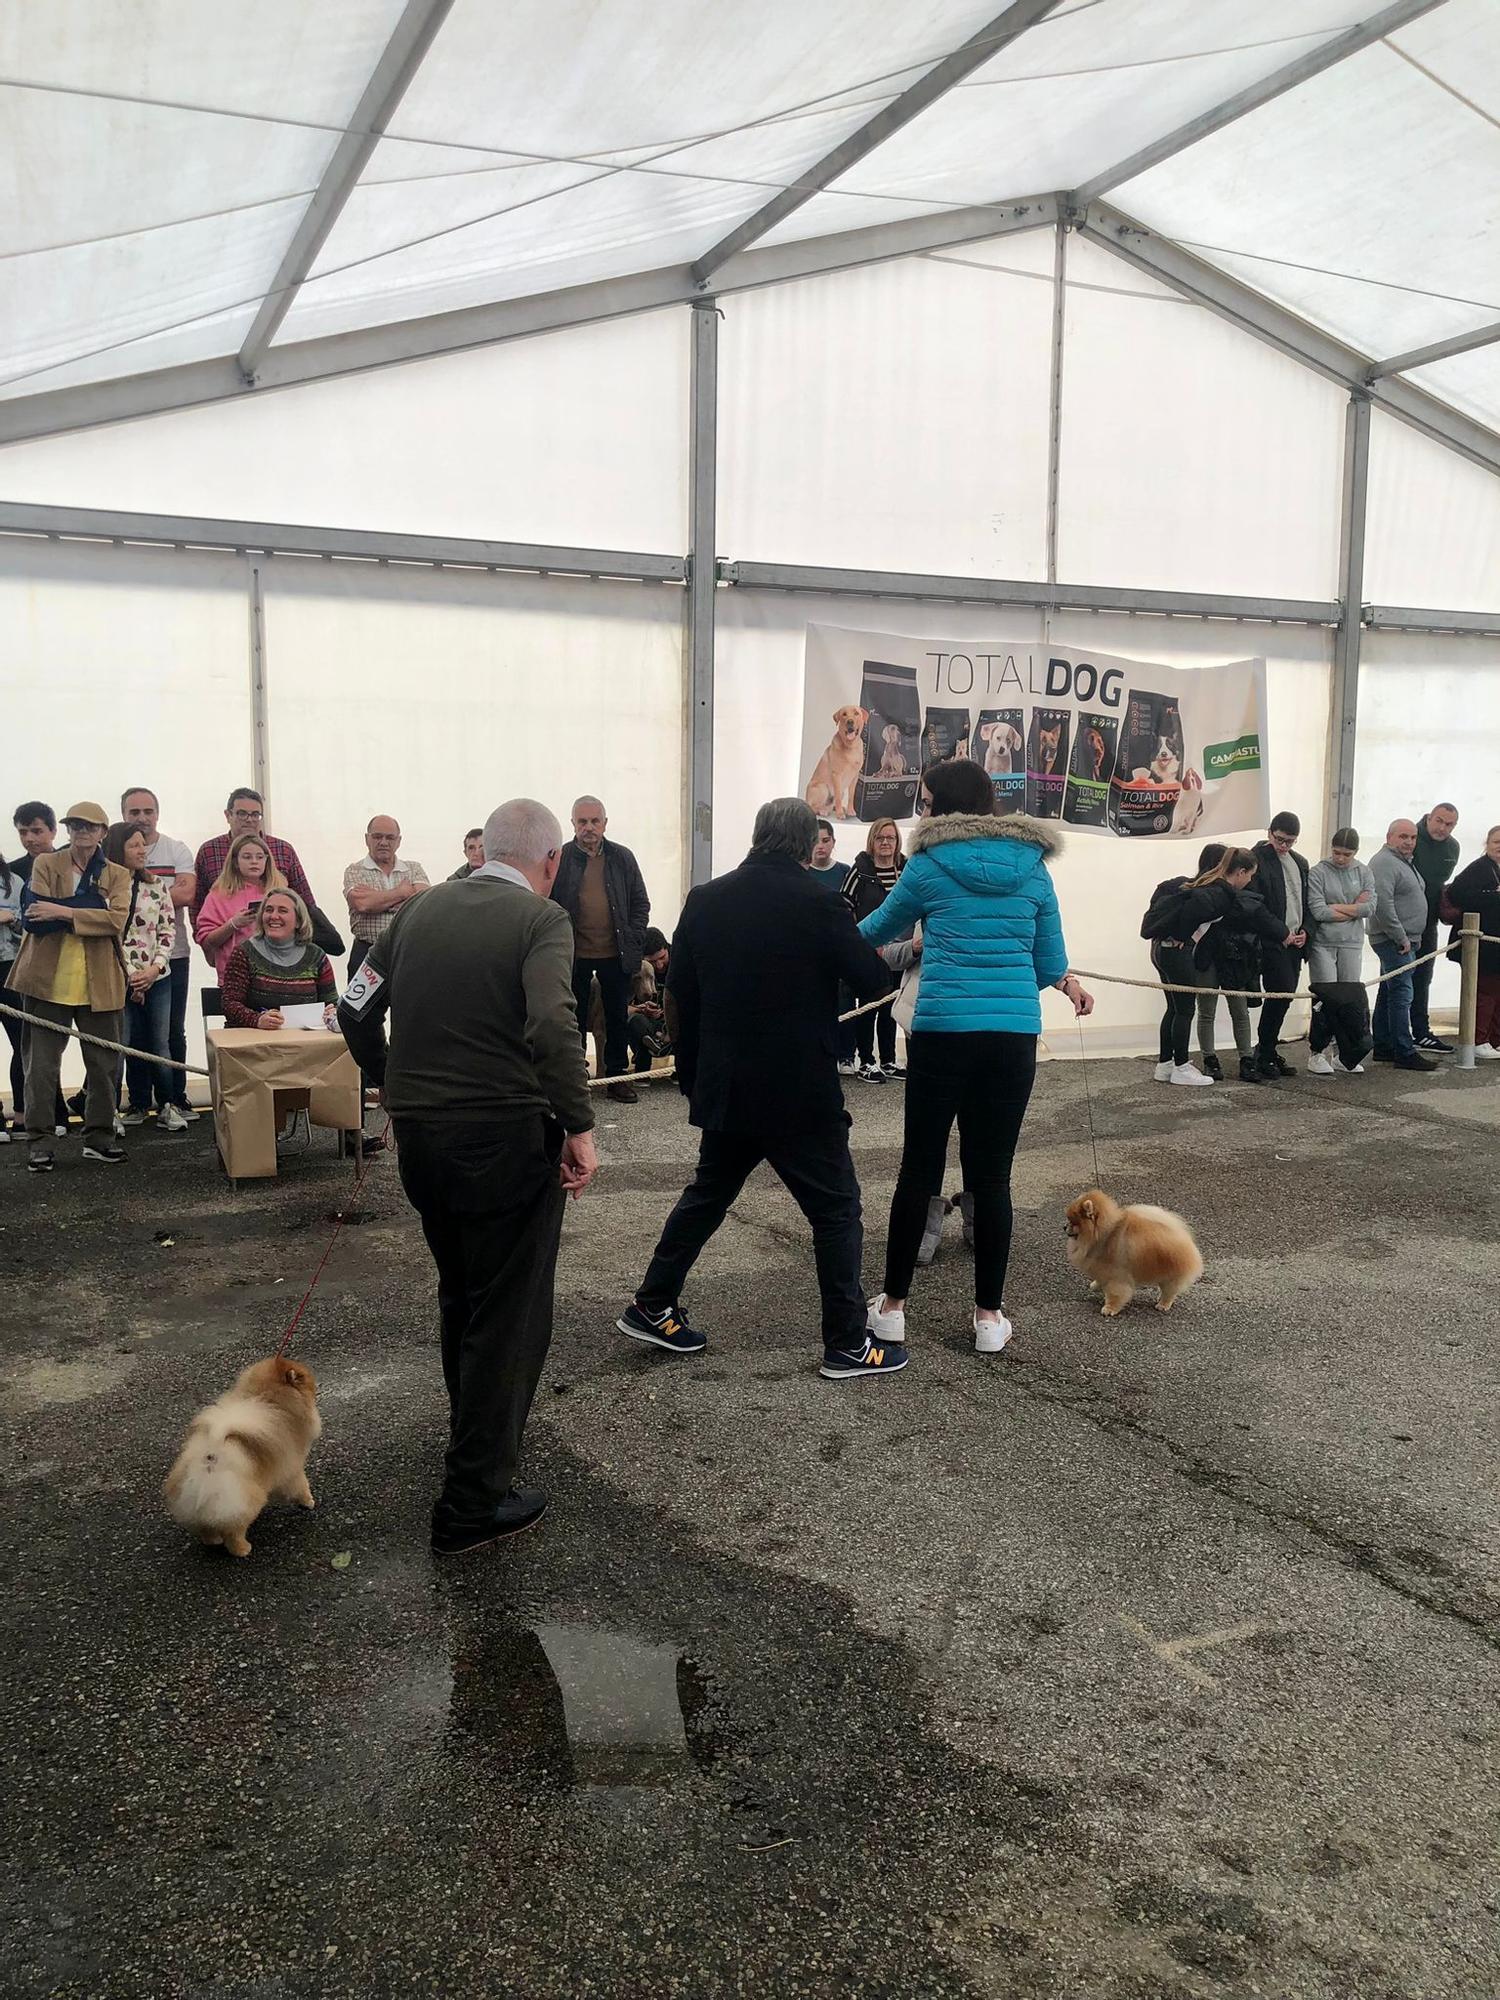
(1396, 932)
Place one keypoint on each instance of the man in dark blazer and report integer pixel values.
(756, 964)
(1281, 884)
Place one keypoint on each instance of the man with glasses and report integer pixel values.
(1281, 884)
(245, 813)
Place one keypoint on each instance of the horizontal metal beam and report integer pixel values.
(350, 544)
(980, 48)
(1437, 350)
(399, 62)
(1026, 596)
(1400, 618)
(294, 363)
(1208, 286)
(1349, 43)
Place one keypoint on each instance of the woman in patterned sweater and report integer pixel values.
(277, 966)
(146, 948)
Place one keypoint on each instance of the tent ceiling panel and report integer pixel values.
(1368, 200)
(1471, 382)
(279, 60)
(1081, 91)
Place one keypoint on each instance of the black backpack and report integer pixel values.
(1165, 907)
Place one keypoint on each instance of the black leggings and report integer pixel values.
(1174, 964)
(872, 1030)
(984, 1081)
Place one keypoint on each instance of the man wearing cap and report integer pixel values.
(71, 968)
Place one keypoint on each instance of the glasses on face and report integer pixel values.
(1284, 842)
(247, 817)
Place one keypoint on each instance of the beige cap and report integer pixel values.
(87, 809)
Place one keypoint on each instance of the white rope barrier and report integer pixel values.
(98, 1041)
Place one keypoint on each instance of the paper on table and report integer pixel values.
(304, 1014)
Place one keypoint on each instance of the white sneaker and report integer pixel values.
(4, 1133)
(119, 1128)
(1163, 1072)
(883, 1325)
(1320, 1065)
(849, 1067)
(990, 1335)
(1185, 1073)
(1484, 1053)
(170, 1119)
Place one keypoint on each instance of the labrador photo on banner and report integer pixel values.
(1108, 745)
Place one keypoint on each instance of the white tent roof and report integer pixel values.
(191, 198)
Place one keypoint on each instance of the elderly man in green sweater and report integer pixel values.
(485, 1082)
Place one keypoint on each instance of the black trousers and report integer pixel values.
(1280, 969)
(984, 1081)
(816, 1170)
(614, 994)
(491, 1206)
(1341, 1015)
(872, 1031)
(1175, 967)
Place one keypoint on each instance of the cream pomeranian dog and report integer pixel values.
(1122, 1250)
(243, 1450)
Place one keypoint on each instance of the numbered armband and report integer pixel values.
(362, 988)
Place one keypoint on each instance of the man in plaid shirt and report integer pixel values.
(244, 813)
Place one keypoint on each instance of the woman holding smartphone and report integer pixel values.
(231, 906)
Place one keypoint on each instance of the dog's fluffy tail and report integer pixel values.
(217, 1482)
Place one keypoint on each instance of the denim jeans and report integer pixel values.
(176, 1079)
(1392, 1024)
(147, 1027)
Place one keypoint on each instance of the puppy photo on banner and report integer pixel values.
(1123, 748)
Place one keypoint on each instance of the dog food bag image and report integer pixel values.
(1090, 769)
(888, 784)
(1148, 771)
(945, 734)
(1047, 761)
(1001, 747)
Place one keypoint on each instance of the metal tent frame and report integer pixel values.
(733, 264)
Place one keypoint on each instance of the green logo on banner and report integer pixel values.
(1222, 760)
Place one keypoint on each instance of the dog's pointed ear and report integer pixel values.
(292, 1374)
(1089, 1211)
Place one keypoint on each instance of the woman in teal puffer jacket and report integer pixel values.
(991, 940)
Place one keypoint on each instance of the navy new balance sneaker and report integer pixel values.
(875, 1358)
(668, 1329)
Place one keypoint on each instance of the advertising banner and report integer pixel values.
(1107, 745)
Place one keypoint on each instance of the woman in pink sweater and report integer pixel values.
(229, 909)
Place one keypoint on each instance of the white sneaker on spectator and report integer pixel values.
(1484, 1053)
(1321, 1065)
(1186, 1073)
(170, 1119)
(990, 1335)
(849, 1066)
(1163, 1072)
(883, 1325)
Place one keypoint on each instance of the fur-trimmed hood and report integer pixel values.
(946, 827)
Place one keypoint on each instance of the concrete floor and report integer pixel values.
(1155, 1658)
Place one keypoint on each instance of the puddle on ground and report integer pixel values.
(571, 1706)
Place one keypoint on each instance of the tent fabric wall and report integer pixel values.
(1189, 449)
(435, 696)
(1429, 730)
(1432, 537)
(893, 417)
(1103, 885)
(576, 437)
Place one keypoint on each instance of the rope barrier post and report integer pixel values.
(1468, 992)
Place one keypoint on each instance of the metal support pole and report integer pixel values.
(1054, 425)
(703, 429)
(260, 746)
(1345, 702)
(1468, 992)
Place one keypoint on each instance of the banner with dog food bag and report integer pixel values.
(1121, 747)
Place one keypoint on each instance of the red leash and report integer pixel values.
(361, 1169)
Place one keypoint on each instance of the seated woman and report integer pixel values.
(228, 913)
(277, 966)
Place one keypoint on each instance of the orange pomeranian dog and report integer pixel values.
(1121, 1250)
(248, 1447)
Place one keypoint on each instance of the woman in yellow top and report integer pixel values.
(72, 971)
